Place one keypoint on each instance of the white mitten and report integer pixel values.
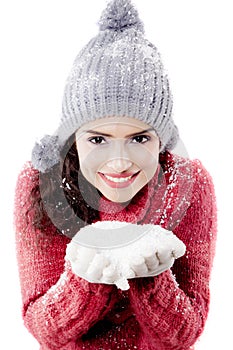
(90, 263)
(159, 248)
(150, 251)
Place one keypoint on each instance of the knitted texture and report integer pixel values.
(118, 73)
(166, 312)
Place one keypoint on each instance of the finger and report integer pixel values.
(165, 266)
(162, 267)
(127, 271)
(71, 252)
(84, 257)
(179, 250)
(152, 262)
(95, 269)
(164, 254)
(148, 252)
(139, 266)
(109, 274)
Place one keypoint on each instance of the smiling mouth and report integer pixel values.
(119, 181)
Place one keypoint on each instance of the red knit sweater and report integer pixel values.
(166, 312)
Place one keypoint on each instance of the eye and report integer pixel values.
(140, 139)
(97, 140)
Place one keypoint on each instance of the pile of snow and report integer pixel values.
(118, 251)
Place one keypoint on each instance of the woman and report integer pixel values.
(110, 161)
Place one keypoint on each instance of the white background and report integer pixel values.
(39, 41)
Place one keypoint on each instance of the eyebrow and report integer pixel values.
(109, 135)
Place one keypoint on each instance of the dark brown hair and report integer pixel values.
(58, 195)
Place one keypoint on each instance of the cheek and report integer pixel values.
(149, 169)
(147, 158)
(88, 166)
(153, 154)
(89, 161)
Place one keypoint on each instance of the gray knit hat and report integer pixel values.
(118, 73)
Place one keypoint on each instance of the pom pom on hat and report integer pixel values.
(120, 15)
(46, 153)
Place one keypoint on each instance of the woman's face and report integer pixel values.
(118, 156)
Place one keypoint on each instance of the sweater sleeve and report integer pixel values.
(58, 306)
(172, 308)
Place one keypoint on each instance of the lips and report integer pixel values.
(119, 180)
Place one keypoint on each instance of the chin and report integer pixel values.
(120, 201)
(119, 197)
(125, 200)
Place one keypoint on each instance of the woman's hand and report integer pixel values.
(149, 255)
(90, 263)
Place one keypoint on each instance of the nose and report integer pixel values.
(119, 165)
(119, 159)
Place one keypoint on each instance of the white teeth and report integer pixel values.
(118, 179)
